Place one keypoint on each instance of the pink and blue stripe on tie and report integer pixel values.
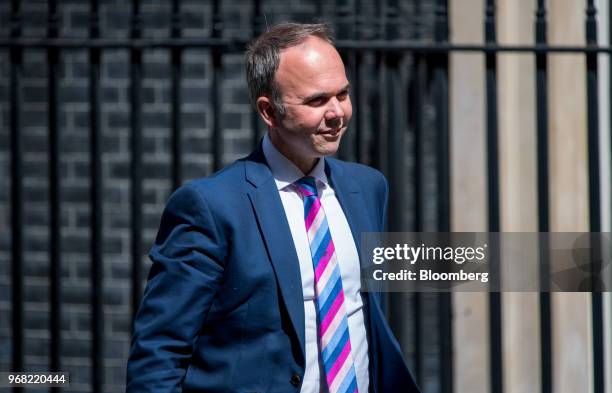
(335, 343)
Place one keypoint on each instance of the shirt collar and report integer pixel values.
(284, 171)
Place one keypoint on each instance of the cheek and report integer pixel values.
(300, 120)
(311, 121)
(348, 110)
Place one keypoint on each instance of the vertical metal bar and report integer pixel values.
(97, 321)
(594, 193)
(415, 110)
(55, 271)
(176, 53)
(495, 314)
(609, 366)
(342, 18)
(440, 81)
(396, 98)
(136, 159)
(343, 25)
(357, 84)
(543, 199)
(379, 114)
(417, 317)
(492, 139)
(16, 192)
(395, 114)
(440, 78)
(320, 9)
(610, 109)
(257, 28)
(593, 119)
(215, 91)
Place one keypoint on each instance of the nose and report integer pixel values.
(334, 110)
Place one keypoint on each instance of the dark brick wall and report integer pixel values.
(75, 161)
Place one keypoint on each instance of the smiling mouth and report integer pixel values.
(332, 132)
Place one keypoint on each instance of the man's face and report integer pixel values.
(314, 91)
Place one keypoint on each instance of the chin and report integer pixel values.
(327, 150)
(328, 147)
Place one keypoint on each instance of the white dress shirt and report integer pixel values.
(286, 173)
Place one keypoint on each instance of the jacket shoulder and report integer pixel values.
(365, 174)
(226, 180)
(230, 175)
(217, 191)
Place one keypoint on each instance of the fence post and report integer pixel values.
(440, 82)
(97, 319)
(495, 313)
(16, 54)
(176, 53)
(215, 89)
(55, 266)
(136, 153)
(594, 194)
(543, 198)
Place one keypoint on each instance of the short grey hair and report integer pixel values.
(263, 57)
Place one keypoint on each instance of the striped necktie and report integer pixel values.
(334, 340)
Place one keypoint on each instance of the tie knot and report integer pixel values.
(306, 186)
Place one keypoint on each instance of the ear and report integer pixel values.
(266, 111)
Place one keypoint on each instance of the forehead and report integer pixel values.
(311, 67)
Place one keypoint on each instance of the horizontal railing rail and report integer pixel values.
(230, 45)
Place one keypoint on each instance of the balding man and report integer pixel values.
(255, 284)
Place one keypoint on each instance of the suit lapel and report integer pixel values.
(276, 233)
(351, 200)
(356, 212)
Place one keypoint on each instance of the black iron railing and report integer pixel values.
(398, 111)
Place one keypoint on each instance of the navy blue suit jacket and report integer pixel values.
(223, 309)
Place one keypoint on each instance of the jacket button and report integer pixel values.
(296, 379)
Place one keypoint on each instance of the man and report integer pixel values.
(255, 283)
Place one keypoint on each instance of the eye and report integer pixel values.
(318, 101)
(342, 95)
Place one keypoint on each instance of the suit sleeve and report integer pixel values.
(384, 202)
(186, 272)
(392, 368)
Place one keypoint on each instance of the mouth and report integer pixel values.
(331, 136)
(332, 132)
(336, 129)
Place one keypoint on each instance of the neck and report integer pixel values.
(304, 164)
